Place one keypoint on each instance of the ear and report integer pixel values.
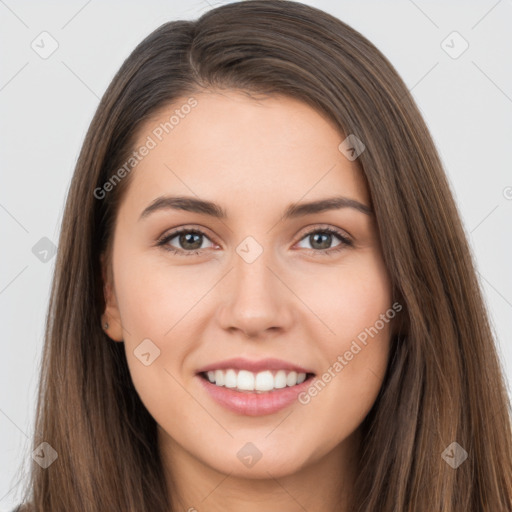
(111, 314)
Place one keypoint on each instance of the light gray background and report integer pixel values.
(46, 106)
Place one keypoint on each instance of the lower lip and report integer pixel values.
(254, 404)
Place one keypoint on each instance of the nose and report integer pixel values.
(256, 300)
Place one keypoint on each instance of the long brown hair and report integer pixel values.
(444, 382)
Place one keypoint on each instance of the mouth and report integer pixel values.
(266, 381)
(254, 388)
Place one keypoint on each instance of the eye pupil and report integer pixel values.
(319, 235)
(186, 239)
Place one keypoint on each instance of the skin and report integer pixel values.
(254, 158)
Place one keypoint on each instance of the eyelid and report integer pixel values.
(187, 228)
(313, 228)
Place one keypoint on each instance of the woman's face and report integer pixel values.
(257, 296)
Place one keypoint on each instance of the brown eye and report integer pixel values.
(189, 241)
(321, 240)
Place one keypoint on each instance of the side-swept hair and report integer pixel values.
(444, 382)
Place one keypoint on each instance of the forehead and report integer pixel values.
(260, 151)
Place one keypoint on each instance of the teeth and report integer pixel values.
(245, 381)
(264, 381)
(280, 379)
(230, 379)
(267, 380)
(219, 377)
(291, 379)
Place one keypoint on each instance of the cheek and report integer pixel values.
(344, 393)
(356, 306)
(156, 303)
(351, 298)
(154, 296)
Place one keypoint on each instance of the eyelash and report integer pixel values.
(345, 242)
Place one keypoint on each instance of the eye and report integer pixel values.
(321, 238)
(190, 241)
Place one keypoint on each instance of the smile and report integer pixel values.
(261, 382)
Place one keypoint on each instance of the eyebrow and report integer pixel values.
(294, 210)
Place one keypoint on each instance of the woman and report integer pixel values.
(249, 371)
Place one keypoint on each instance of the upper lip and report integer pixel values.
(239, 363)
